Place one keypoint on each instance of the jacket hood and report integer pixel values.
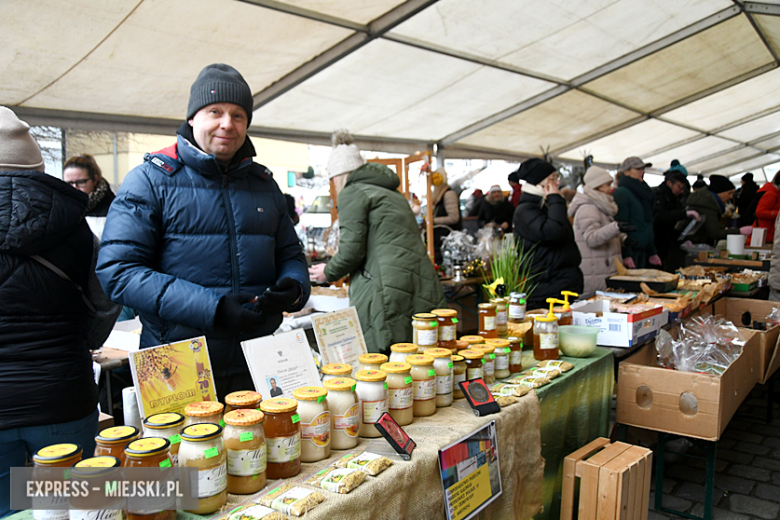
(37, 211)
(375, 174)
(703, 199)
(769, 187)
(580, 199)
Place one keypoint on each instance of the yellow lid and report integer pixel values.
(309, 393)
(545, 318)
(201, 432)
(339, 384)
(457, 359)
(56, 453)
(498, 300)
(117, 434)
(487, 349)
(489, 305)
(424, 316)
(161, 421)
(104, 461)
(203, 409)
(279, 405)
(336, 369)
(396, 368)
(148, 446)
(498, 343)
(419, 359)
(243, 398)
(473, 340)
(438, 352)
(243, 417)
(404, 348)
(472, 354)
(373, 359)
(371, 376)
(445, 313)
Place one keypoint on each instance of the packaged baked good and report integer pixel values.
(563, 366)
(255, 512)
(505, 400)
(371, 463)
(535, 381)
(292, 500)
(548, 372)
(509, 389)
(337, 480)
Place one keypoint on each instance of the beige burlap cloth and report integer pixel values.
(413, 490)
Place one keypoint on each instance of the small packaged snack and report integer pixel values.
(507, 389)
(563, 366)
(292, 500)
(371, 463)
(337, 480)
(256, 512)
(548, 372)
(535, 381)
(505, 400)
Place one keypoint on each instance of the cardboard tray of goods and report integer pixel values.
(631, 279)
(684, 403)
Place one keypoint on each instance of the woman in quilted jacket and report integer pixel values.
(768, 207)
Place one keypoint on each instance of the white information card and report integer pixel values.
(339, 337)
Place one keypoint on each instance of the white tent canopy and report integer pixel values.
(694, 80)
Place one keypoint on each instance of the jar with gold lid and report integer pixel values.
(336, 371)
(344, 412)
(399, 388)
(501, 361)
(426, 330)
(149, 452)
(488, 368)
(96, 472)
(442, 364)
(315, 422)
(399, 351)
(168, 426)
(515, 355)
(112, 441)
(53, 506)
(423, 385)
(472, 340)
(282, 427)
(474, 362)
(374, 400)
(202, 448)
(244, 439)
(458, 375)
(203, 412)
(448, 327)
(371, 361)
(243, 400)
(487, 320)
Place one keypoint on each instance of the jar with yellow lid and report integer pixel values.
(487, 320)
(426, 330)
(546, 334)
(489, 367)
(371, 361)
(243, 400)
(203, 412)
(399, 388)
(202, 448)
(372, 394)
(472, 340)
(46, 460)
(335, 371)
(458, 375)
(96, 472)
(502, 316)
(282, 437)
(62, 455)
(448, 327)
(423, 385)
(442, 364)
(167, 425)
(112, 441)
(244, 440)
(315, 422)
(399, 351)
(474, 361)
(501, 361)
(515, 355)
(344, 412)
(148, 452)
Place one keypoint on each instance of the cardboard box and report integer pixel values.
(105, 421)
(733, 309)
(618, 329)
(660, 399)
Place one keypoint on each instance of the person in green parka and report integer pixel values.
(380, 247)
(635, 201)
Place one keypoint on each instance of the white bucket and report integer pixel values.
(736, 244)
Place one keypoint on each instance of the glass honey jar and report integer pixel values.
(426, 330)
(501, 360)
(458, 375)
(515, 355)
(336, 371)
(244, 439)
(203, 412)
(474, 361)
(488, 368)
(423, 385)
(546, 335)
(399, 351)
(374, 400)
(487, 320)
(96, 472)
(399, 388)
(46, 460)
(112, 441)
(167, 425)
(282, 437)
(202, 448)
(472, 340)
(344, 412)
(502, 316)
(448, 327)
(243, 400)
(371, 361)
(148, 452)
(315, 422)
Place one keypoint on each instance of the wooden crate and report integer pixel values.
(614, 481)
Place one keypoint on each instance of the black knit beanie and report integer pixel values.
(220, 83)
(720, 184)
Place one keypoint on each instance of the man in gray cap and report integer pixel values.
(635, 200)
(198, 239)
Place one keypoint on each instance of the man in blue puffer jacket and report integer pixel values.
(199, 230)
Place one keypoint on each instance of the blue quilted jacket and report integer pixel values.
(182, 232)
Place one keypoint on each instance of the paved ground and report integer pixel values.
(747, 479)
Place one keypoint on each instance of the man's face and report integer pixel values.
(677, 187)
(220, 129)
(636, 173)
(273, 383)
(496, 195)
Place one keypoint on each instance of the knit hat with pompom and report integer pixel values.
(345, 156)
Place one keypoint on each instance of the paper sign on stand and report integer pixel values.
(470, 473)
(169, 377)
(279, 364)
(339, 337)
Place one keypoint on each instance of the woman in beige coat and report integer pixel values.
(597, 234)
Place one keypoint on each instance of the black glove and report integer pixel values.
(231, 316)
(630, 242)
(281, 297)
(625, 227)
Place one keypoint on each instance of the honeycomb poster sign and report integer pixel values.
(169, 377)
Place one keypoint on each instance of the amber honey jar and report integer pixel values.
(112, 441)
(282, 427)
(487, 320)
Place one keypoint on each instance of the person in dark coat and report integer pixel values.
(667, 212)
(744, 198)
(83, 173)
(635, 200)
(711, 204)
(473, 202)
(517, 188)
(47, 328)
(198, 239)
(496, 210)
(542, 226)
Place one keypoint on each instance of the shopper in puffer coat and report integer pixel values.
(711, 204)
(542, 226)
(768, 207)
(598, 235)
(635, 200)
(391, 276)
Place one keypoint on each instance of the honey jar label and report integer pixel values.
(548, 341)
(426, 337)
(516, 357)
(444, 384)
(502, 363)
(447, 333)
(50, 514)
(501, 318)
(246, 463)
(457, 378)
(489, 323)
(401, 398)
(373, 410)
(424, 390)
(473, 373)
(489, 368)
(349, 423)
(284, 449)
(212, 481)
(318, 430)
(103, 514)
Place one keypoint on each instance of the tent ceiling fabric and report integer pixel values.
(693, 80)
